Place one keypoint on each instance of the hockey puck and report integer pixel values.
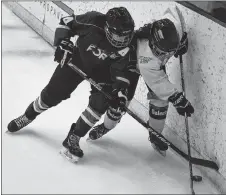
(196, 178)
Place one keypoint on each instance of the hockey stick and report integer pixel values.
(187, 127)
(183, 25)
(192, 177)
(197, 161)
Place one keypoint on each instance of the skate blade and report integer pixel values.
(161, 152)
(66, 154)
(89, 139)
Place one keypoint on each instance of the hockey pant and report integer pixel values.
(98, 105)
(62, 83)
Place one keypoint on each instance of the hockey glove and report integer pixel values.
(181, 104)
(119, 99)
(64, 52)
(183, 47)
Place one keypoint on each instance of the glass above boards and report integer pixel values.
(215, 10)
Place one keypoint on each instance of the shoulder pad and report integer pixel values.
(67, 19)
(124, 51)
(92, 18)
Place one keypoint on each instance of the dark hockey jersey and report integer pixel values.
(99, 59)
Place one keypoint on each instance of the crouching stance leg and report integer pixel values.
(62, 83)
(157, 115)
(111, 119)
(96, 108)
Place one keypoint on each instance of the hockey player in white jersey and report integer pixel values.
(156, 43)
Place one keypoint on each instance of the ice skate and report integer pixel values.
(158, 145)
(97, 132)
(18, 123)
(72, 150)
(70, 157)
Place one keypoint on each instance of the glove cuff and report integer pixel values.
(123, 94)
(176, 98)
(119, 84)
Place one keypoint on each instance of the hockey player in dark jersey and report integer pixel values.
(156, 43)
(103, 52)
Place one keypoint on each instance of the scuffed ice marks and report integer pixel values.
(12, 27)
(27, 53)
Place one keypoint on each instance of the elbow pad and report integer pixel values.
(63, 30)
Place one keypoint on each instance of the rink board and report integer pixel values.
(44, 16)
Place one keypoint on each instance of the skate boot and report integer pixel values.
(19, 123)
(23, 120)
(158, 144)
(72, 150)
(97, 132)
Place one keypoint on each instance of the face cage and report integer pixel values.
(118, 41)
(161, 55)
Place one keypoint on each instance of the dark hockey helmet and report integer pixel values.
(119, 27)
(164, 39)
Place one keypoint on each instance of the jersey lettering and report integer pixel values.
(144, 60)
(158, 113)
(97, 52)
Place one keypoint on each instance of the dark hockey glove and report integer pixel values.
(181, 104)
(119, 99)
(64, 52)
(183, 48)
(119, 93)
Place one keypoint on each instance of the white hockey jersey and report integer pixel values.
(154, 76)
(149, 66)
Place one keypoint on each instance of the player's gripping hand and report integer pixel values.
(183, 47)
(181, 104)
(119, 99)
(64, 52)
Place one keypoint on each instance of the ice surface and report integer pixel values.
(121, 162)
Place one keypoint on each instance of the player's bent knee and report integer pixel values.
(158, 112)
(98, 102)
(157, 116)
(51, 99)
